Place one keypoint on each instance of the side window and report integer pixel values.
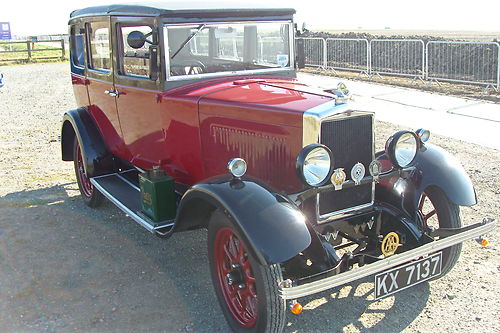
(135, 61)
(78, 46)
(100, 57)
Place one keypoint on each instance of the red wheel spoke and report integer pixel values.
(228, 253)
(429, 215)
(250, 279)
(232, 247)
(422, 201)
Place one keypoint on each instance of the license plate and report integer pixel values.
(399, 278)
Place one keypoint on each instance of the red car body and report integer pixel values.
(198, 110)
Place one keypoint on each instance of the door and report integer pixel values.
(138, 88)
(101, 87)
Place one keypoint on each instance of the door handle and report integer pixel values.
(112, 93)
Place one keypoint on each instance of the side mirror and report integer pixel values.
(136, 39)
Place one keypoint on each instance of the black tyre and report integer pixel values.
(247, 291)
(439, 212)
(91, 196)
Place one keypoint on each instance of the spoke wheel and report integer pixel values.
(91, 196)
(437, 211)
(235, 277)
(86, 186)
(247, 290)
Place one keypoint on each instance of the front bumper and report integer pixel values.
(289, 291)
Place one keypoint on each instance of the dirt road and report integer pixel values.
(66, 268)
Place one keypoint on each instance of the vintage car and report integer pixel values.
(192, 117)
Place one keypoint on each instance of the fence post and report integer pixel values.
(498, 67)
(324, 54)
(28, 43)
(63, 52)
(426, 77)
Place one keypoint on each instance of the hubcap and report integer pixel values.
(235, 277)
(85, 184)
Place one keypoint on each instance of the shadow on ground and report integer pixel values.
(66, 267)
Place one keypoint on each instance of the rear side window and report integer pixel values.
(100, 57)
(133, 61)
(78, 46)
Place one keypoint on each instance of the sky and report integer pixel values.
(32, 17)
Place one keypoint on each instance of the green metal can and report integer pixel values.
(157, 195)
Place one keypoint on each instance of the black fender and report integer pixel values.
(79, 123)
(434, 166)
(274, 227)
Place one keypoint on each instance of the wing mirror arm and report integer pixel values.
(153, 62)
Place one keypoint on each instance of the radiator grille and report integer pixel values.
(351, 141)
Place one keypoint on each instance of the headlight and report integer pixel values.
(402, 148)
(314, 164)
(423, 134)
(237, 167)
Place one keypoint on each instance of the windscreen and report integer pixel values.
(229, 47)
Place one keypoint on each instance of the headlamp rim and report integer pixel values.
(231, 164)
(390, 147)
(301, 157)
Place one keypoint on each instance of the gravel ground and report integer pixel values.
(65, 267)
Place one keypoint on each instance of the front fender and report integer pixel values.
(433, 167)
(275, 228)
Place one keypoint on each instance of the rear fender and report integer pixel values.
(274, 227)
(96, 157)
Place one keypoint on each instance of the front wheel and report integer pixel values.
(247, 290)
(437, 211)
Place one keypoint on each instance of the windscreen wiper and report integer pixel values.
(193, 34)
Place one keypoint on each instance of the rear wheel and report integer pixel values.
(247, 291)
(91, 196)
(438, 211)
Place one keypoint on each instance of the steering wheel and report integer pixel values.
(195, 67)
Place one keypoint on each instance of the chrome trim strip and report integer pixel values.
(118, 204)
(128, 182)
(395, 260)
(331, 216)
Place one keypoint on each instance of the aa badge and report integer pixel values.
(338, 178)
(390, 244)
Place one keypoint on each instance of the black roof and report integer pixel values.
(187, 9)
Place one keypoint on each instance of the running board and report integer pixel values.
(127, 196)
(288, 291)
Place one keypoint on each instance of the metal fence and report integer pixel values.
(402, 57)
(314, 51)
(32, 50)
(348, 54)
(466, 62)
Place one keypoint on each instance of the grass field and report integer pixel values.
(480, 36)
